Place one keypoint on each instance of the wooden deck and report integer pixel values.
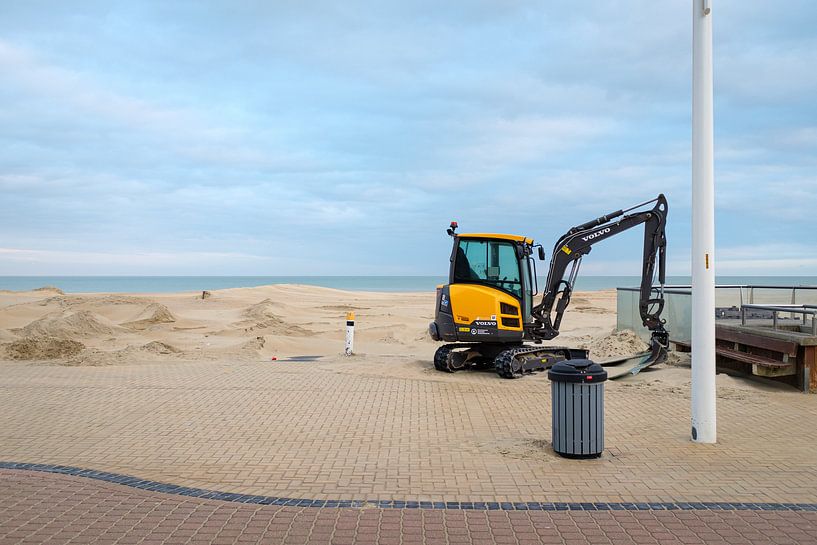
(786, 354)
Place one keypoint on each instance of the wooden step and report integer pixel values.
(761, 366)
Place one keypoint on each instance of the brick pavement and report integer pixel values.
(58, 509)
(391, 428)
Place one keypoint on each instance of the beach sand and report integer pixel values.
(279, 321)
(48, 327)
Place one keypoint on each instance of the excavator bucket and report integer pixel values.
(632, 365)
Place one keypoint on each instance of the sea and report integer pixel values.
(169, 284)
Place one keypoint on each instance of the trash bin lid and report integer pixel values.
(584, 371)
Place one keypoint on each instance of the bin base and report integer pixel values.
(578, 456)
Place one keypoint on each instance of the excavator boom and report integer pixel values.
(578, 241)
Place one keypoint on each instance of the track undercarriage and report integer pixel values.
(509, 360)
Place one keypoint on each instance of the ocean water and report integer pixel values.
(167, 284)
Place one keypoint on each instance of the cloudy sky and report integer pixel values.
(290, 137)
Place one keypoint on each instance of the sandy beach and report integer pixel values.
(282, 321)
(274, 323)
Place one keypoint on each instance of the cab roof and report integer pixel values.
(497, 236)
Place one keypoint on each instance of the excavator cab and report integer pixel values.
(491, 284)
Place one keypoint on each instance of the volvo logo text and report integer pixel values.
(596, 234)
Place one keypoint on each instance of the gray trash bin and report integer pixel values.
(577, 389)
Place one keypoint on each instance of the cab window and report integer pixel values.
(488, 262)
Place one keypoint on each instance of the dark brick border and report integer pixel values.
(153, 486)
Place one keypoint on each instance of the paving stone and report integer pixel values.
(210, 426)
(44, 491)
(197, 454)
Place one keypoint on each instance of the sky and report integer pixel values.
(341, 138)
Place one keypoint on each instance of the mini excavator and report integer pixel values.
(486, 313)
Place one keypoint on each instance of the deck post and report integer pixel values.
(810, 368)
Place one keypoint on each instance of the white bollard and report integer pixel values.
(350, 332)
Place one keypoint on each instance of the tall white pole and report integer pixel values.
(704, 429)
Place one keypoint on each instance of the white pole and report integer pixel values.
(350, 333)
(703, 228)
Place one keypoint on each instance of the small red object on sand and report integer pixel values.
(274, 358)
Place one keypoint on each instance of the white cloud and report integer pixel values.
(21, 261)
(191, 133)
(113, 258)
(508, 142)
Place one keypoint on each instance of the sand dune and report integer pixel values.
(42, 348)
(617, 343)
(266, 315)
(68, 325)
(152, 351)
(153, 314)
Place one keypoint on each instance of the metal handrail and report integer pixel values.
(727, 286)
(784, 306)
(786, 287)
(805, 310)
(678, 289)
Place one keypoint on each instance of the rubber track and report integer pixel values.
(441, 362)
(441, 357)
(503, 361)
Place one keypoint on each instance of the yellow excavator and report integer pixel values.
(486, 313)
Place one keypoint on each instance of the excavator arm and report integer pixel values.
(578, 241)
